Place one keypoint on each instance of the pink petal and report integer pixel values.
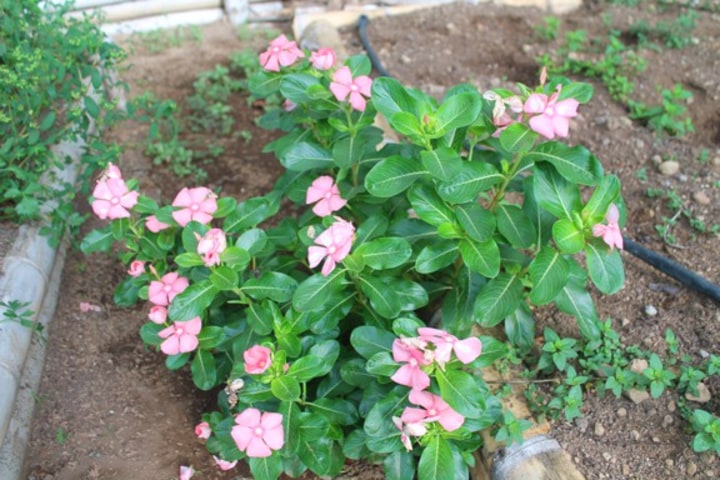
(364, 83)
(403, 376)
(598, 230)
(613, 214)
(451, 420)
(242, 436)
(129, 200)
(275, 437)
(543, 125)
(343, 76)
(567, 107)
(102, 192)
(322, 208)
(186, 473)
(468, 350)
(182, 217)
(561, 126)
(117, 211)
(536, 103)
(336, 203)
(258, 449)
(182, 199)
(188, 343)
(193, 326)
(413, 415)
(424, 399)
(339, 90)
(357, 101)
(171, 346)
(316, 255)
(250, 417)
(328, 266)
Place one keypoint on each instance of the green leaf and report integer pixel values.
(393, 175)
(250, 213)
(515, 226)
(407, 124)
(304, 156)
(368, 341)
(399, 465)
(189, 259)
(436, 460)
(381, 364)
(478, 223)
(264, 83)
(261, 316)
(252, 241)
(382, 299)
(285, 388)
(520, 328)
(428, 206)
(48, 121)
(604, 266)
(576, 164)
(604, 195)
(436, 256)
(203, 370)
(91, 106)
(410, 295)
(210, 337)
(294, 86)
(126, 292)
(309, 367)
(235, 258)
(316, 291)
(390, 97)
(225, 206)
(149, 334)
(224, 278)
(549, 272)
(97, 241)
(384, 253)
(517, 138)
(497, 299)
(457, 111)
(702, 442)
(316, 455)
(568, 238)
(460, 391)
(492, 350)
(193, 301)
(580, 91)
(481, 257)
(443, 163)
(273, 285)
(474, 178)
(554, 193)
(575, 300)
(176, 362)
(266, 468)
(337, 411)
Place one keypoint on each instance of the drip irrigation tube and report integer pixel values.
(665, 265)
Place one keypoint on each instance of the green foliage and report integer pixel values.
(433, 224)
(55, 79)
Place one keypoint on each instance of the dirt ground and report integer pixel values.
(109, 409)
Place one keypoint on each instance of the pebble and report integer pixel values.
(701, 197)
(625, 322)
(656, 439)
(683, 178)
(669, 462)
(638, 365)
(709, 473)
(582, 423)
(636, 396)
(635, 435)
(606, 456)
(671, 406)
(621, 412)
(599, 429)
(716, 161)
(405, 59)
(651, 310)
(626, 470)
(667, 420)
(639, 144)
(656, 160)
(691, 468)
(669, 168)
(703, 395)
(704, 353)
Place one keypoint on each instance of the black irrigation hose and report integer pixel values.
(665, 265)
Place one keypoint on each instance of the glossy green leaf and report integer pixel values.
(492, 350)
(436, 256)
(336, 410)
(250, 213)
(520, 328)
(515, 226)
(203, 370)
(304, 156)
(604, 266)
(393, 175)
(273, 285)
(252, 241)
(477, 222)
(436, 460)
(399, 465)
(99, 240)
(517, 138)
(382, 299)
(460, 391)
(309, 367)
(224, 278)
(384, 253)
(549, 272)
(481, 257)
(457, 111)
(474, 178)
(266, 468)
(497, 299)
(568, 238)
(368, 341)
(576, 164)
(317, 290)
(193, 301)
(285, 388)
(294, 86)
(604, 195)
(555, 194)
(428, 206)
(443, 163)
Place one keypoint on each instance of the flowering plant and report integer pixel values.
(316, 329)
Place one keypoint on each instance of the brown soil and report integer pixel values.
(109, 409)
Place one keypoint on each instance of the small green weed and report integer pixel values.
(548, 30)
(62, 435)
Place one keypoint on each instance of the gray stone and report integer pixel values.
(599, 429)
(669, 168)
(638, 365)
(691, 468)
(621, 412)
(651, 310)
(703, 395)
(701, 197)
(582, 423)
(635, 435)
(636, 396)
(667, 420)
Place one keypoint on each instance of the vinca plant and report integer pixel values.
(350, 329)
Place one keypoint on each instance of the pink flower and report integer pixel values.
(323, 59)
(412, 424)
(89, 307)
(334, 245)
(112, 199)
(224, 464)
(411, 374)
(155, 225)
(258, 434)
(202, 430)
(257, 359)
(199, 204)
(162, 292)
(289, 105)
(112, 171)
(186, 473)
(325, 192)
(158, 314)
(211, 245)
(553, 116)
(180, 337)
(437, 410)
(137, 268)
(465, 350)
(610, 233)
(344, 86)
(281, 53)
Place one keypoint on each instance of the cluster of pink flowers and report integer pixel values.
(211, 245)
(258, 434)
(610, 233)
(431, 346)
(283, 53)
(111, 196)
